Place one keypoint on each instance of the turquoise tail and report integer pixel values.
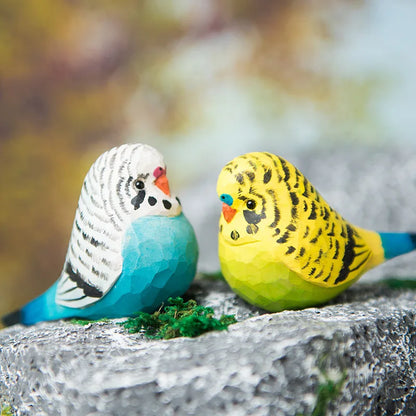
(395, 244)
(39, 309)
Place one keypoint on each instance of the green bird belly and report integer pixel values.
(253, 274)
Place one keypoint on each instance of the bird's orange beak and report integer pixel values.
(228, 212)
(162, 183)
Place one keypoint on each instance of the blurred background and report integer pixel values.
(201, 81)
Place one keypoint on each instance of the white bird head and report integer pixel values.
(129, 182)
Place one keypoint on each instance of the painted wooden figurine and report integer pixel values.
(131, 248)
(281, 246)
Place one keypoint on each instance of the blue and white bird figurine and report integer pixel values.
(131, 247)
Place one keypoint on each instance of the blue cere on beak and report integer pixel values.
(227, 199)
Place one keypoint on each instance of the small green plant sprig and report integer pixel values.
(327, 391)
(177, 319)
(6, 410)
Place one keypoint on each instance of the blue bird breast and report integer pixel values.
(159, 260)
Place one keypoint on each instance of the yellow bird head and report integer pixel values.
(260, 193)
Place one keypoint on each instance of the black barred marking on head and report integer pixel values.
(251, 176)
(305, 185)
(263, 200)
(239, 178)
(275, 209)
(252, 164)
(179, 201)
(302, 251)
(121, 198)
(127, 185)
(272, 157)
(285, 169)
(298, 174)
(267, 176)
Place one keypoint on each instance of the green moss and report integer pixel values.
(6, 410)
(327, 392)
(177, 319)
(87, 321)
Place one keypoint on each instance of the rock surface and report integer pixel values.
(270, 364)
(266, 364)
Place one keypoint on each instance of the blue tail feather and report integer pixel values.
(395, 244)
(42, 308)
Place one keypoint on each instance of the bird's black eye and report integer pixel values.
(251, 204)
(138, 184)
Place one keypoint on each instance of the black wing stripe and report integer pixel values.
(88, 289)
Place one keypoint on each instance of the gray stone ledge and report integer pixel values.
(267, 364)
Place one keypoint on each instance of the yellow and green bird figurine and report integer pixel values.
(281, 246)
